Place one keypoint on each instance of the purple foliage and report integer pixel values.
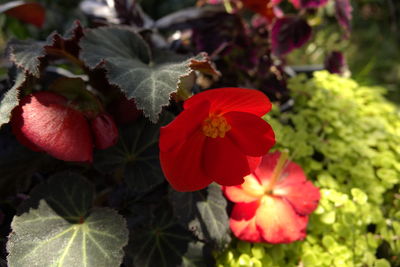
(218, 32)
(312, 3)
(289, 33)
(343, 14)
(335, 62)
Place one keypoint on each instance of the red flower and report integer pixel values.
(44, 122)
(218, 137)
(265, 8)
(273, 203)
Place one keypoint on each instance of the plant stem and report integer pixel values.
(63, 53)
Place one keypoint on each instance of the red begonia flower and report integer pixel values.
(273, 203)
(44, 122)
(265, 8)
(218, 137)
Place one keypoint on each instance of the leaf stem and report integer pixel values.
(63, 53)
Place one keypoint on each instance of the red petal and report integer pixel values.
(238, 195)
(253, 162)
(224, 100)
(183, 126)
(250, 133)
(33, 13)
(17, 123)
(58, 130)
(266, 167)
(243, 223)
(182, 166)
(278, 222)
(303, 196)
(262, 7)
(224, 162)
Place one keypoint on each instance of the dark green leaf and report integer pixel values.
(128, 62)
(75, 90)
(117, 43)
(10, 99)
(203, 212)
(164, 243)
(67, 193)
(17, 164)
(26, 55)
(136, 155)
(62, 231)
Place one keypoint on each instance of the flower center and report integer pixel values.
(215, 126)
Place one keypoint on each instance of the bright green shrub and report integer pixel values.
(347, 139)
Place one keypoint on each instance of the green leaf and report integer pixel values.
(135, 155)
(113, 43)
(165, 243)
(67, 193)
(127, 59)
(62, 231)
(75, 90)
(203, 212)
(26, 55)
(382, 263)
(17, 164)
(10, 99)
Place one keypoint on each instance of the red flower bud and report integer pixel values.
(104, 130)
(44, 122)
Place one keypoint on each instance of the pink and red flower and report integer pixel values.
(273, 203)
(45, 121)
(218, 137)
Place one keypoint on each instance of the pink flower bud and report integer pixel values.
(104, 130)
(43, 121)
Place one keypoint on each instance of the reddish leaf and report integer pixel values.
(123, 110)
(343, 14)
(312, 3)
(33, 13)
(335, 63)
(67, 44)
(289, 33)
(204, 65)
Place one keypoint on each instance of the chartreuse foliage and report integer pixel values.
(347, 139)
(58, 227)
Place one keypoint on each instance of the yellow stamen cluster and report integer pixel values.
(215, 126)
